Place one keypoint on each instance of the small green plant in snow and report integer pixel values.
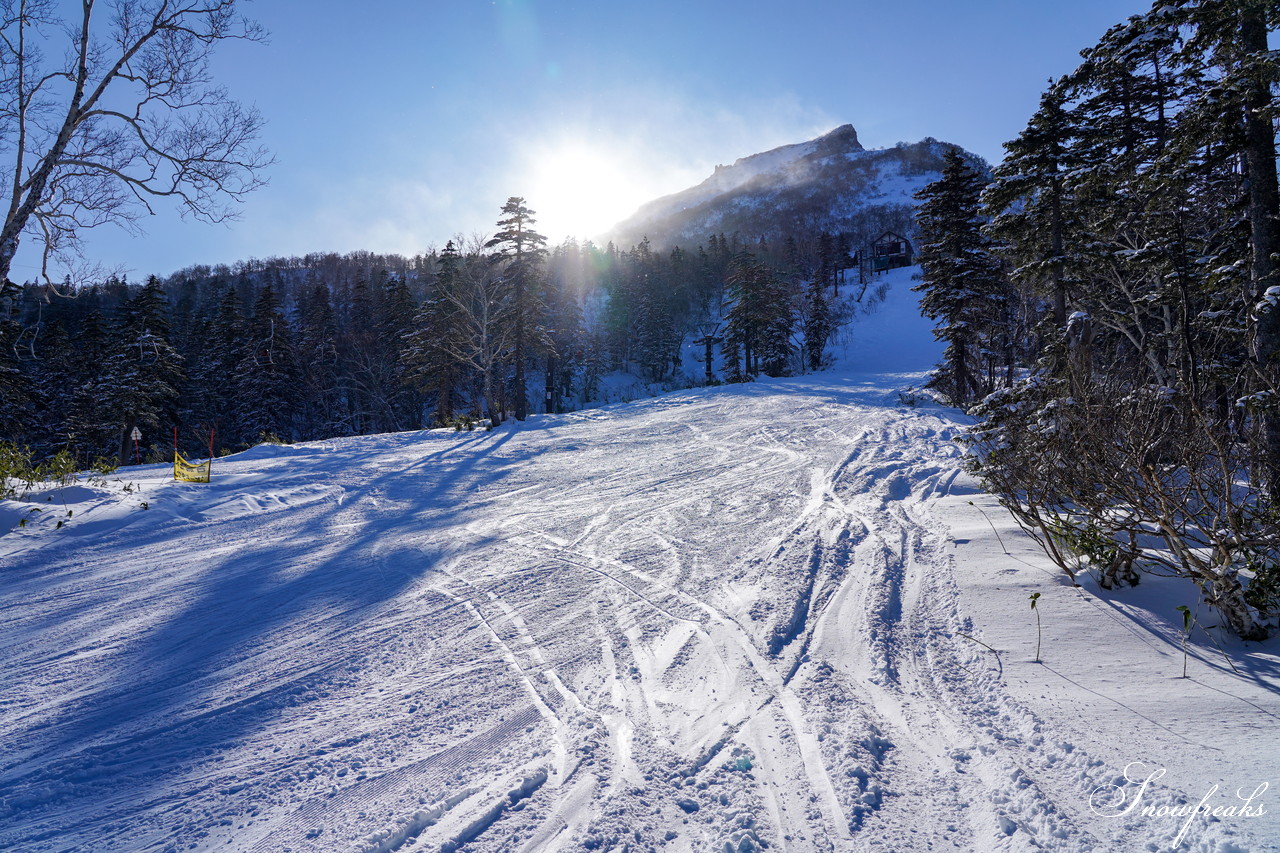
(1035, 597)
(1186, 632)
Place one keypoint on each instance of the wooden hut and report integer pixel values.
(890, 251)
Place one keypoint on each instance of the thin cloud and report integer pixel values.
(639, 145)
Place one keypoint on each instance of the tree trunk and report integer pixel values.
(1080, 353)
(1059, 286)
(126, 440)
(521, 402)
(552, 404)
(1226, 595)
(491, 406)
(1264, 205)
(8, 249)
(444, 402)
(960, 369)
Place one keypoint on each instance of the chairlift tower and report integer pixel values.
(709, 339)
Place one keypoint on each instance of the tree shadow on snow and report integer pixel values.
(297, 606)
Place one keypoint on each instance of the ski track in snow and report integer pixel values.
(722, 619)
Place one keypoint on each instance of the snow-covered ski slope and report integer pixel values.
(763, 616)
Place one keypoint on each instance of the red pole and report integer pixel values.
(137, 454)
(175, 438)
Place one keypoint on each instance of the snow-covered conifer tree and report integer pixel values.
(962, 282)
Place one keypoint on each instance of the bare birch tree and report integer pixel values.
(108, 112)
(486, 334)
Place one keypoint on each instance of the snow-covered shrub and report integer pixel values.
(1114, 479)
(458, 423)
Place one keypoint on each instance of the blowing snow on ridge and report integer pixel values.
(830, 183)
(760, 616)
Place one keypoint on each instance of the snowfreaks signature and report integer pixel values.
(1124, 799)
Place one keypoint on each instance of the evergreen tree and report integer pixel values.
(817, 324)
(1229, 44)
(567, 273)
(358, 349)
(394, 319)
(268, 374)
(430, 346)
(14, 389)
(760, 319)
(53, 380)
(145, 370)
(653, 326)
(1029, 201)
(318, 354)
(525, 250)
(89, 433)
(218, 390)
(961, 279)
(826, 271)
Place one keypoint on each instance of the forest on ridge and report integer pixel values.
(330, 345)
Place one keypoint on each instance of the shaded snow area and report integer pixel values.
(755, 617)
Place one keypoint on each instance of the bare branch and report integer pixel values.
(131, 115)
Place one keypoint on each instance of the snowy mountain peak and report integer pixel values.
(844, 135)
(842, 140)
(783, 162)
(828, 183)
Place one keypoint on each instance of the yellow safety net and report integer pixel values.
(189, 472)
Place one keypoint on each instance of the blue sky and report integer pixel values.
(398, 124)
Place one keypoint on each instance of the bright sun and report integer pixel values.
(579, 190)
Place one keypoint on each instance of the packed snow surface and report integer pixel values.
(764, 616)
